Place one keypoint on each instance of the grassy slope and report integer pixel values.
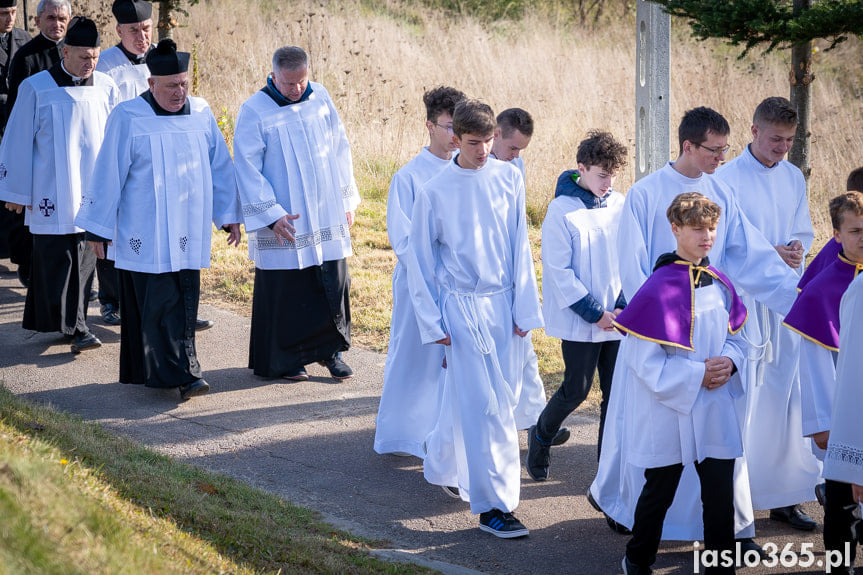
(76, 499)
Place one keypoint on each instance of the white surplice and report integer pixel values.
(817, 389)
(782, 468)
(50, 146)
(844, 460)
(471, 277)
(410, 400)
(741, 252)
(295, 159)
(162, 181)
(131, 79)
(579, 257)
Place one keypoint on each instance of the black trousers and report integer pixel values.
(840, 525)
(581, 361)
(109, 282)
(717, 500)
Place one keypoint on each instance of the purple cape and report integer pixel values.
(825, 257)
(662, 310)
(815, 313)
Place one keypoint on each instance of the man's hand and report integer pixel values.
(616, 312)
(445, 341)
(857, 492)
(235, 234)
(791, 254)
(519, 332)
(284, 229)
(13, 207)
(350, 216)
(605, 321)
(98, 249)
(821, 438)
(717, 371)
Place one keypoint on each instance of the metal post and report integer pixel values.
(652, 86)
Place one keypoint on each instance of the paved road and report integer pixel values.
(311, 443)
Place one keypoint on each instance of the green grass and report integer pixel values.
(76, 499)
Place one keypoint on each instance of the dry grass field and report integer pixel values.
(377, 57)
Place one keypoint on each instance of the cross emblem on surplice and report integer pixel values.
(46, 207)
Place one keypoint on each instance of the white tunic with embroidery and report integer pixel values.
(50, 146)
(162, 181)
(782, 468)
(410, 400)
(295, 159)
(844, 460)
(471, 276)
(130, 78)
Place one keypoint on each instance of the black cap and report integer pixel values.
(8, 3)
(131, 11)
(82, 32)
(164, 60)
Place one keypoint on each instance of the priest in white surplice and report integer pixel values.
(410, 398)
(165, 175)
(740, 251)
(473, 286)
(771, 192)
(295, 174)
(46, 161)
(843, 465)
(124, 63)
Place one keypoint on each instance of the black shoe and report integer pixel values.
(821, 493)
(593, 502)
(94, 295)
(298, 374)
(338, 369)
(84, 341)
(110, 314)
(451, 491)
(748, 544)
(197, 387)
(561, 437)
(630, 568)
(538, 456)
(794, 516)
(617, 527)
(202, 324)
(501, 524)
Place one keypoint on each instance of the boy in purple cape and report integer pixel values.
(831, 249)
(685, 320)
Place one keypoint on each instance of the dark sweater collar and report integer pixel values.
(160, 111)
(701, 280)
(133, 58)
(567, 185)
(271, 91)
(64, 79)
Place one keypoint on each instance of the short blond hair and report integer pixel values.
(693, 209)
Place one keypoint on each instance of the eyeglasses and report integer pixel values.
(715, 151)
(447, 128)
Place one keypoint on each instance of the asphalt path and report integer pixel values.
(311, 443)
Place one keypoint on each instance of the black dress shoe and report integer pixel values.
(821, 493)
(110, 314)
(84, 341)
(197, 387)
(617, 527)
(538, 456)
(338, 369)
(748, 544)
(794, 516)
(561, 437)
(298, 374)
(202, 324)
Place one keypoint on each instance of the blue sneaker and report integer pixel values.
(501, 524)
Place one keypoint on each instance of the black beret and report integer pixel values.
(82, 32)
(164, 60)
(131, 11)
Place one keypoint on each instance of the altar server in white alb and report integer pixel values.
(295, 174)
(165, 176)
(46, 162)
(410, 398)
(740, 251)
(772, 193)
(473, 286)
(843, 465)
(124, 63)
